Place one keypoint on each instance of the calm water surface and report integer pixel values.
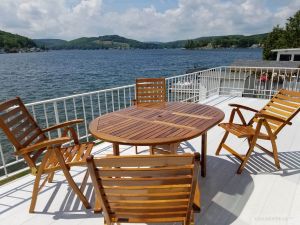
(45, 75)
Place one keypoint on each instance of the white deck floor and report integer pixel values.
(260, 195)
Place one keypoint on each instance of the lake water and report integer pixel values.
(45, 75)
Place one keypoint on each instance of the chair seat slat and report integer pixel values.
(281, 107)
(288, 98)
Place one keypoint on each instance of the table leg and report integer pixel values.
(116, 149)
(203, 154)
(173, 147)
(151, 150)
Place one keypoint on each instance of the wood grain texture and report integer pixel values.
(154, 192)
(156, 123)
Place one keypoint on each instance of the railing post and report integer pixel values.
(56, 117)
(219, 80)
(271, 83)
(92, 107)
(84, 117)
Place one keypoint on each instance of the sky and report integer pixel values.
(143, 20)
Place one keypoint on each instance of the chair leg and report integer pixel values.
(97, 206)
(36, 185)
(70, 179)
(222, 142)
(50, 178)
(250, 150)
(151, 150)
(192, 218)
(106, 223)
(35, 192)
(275, 153)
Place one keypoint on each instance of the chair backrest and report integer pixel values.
(20, 127)
(150, 90)
(157, 188)
(284, 105)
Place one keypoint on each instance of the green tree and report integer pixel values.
(286, 37)
(293, 31)
(190, 44)
(276, 39)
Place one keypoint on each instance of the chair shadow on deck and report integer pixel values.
(223, 193)
(70, 206)
(261, 163)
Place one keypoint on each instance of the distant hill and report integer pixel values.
(102, 42)
(118, 42)
(228, 41)
(14, 43)
(49, 43)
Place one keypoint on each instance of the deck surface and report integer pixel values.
(261, 195)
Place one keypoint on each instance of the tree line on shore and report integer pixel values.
(230, 41)
(280, 37)
(13, 42)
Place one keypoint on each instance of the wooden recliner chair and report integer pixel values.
(32, 143)
(146, 189)
(278, 112)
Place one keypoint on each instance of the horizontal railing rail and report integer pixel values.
(258, 82)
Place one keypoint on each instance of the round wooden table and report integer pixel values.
(153, 124)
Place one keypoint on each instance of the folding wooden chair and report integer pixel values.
(278, 112)
(146, 189)
(32, 143)
(150, 90)
(153, 90)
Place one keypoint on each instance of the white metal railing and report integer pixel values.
(259, 82)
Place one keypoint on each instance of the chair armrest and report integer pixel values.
(64, 124)
(266, 116)
(43, 144)
(243, 107)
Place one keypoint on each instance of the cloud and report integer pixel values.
(68, 19)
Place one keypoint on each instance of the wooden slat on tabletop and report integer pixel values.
(176, 121)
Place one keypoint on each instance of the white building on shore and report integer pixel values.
(288, 54)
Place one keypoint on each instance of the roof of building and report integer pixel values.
(286, 50)
(266, 63)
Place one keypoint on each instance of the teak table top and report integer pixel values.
(150, 124)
